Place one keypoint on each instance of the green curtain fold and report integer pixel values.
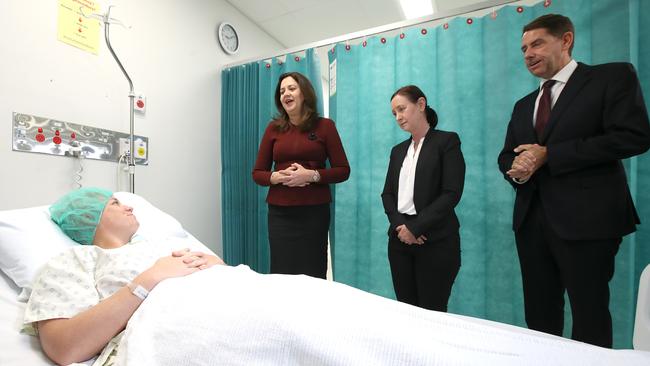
(473, 73)
(247, 106)
(239, 203)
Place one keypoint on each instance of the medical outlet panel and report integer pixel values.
(48, 136)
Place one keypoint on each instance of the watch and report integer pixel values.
(228, 38)
(316, 177)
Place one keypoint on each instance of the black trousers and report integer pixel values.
(298, 239)
(424, 274)
(551, 265)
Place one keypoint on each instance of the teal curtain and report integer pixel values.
(239, 116)
(472, 71)
(247, 107)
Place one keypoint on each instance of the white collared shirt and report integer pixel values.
(561, 79)
(405, 202)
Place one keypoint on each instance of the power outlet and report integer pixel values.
(125, 146)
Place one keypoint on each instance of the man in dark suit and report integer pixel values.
(562, 154)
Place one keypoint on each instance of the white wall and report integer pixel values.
(173, 57)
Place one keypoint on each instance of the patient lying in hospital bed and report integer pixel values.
(218, 314)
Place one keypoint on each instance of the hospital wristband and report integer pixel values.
(138, 290)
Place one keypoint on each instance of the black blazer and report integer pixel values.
(599, 119)
(439, 180)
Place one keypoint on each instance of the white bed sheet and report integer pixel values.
(234, 316)
(17, 348)
(21, 349)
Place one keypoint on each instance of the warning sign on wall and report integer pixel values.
(77, 30)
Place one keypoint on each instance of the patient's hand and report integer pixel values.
(200, 259)
(167, 267)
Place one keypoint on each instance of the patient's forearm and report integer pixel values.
(83, 336)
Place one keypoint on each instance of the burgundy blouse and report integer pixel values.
(278, 150)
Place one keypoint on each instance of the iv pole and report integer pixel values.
(107, 20)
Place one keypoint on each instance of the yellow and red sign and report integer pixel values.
(77, 30)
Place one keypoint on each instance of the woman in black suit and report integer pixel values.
(424, 183)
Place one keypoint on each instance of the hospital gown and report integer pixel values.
(78, 279)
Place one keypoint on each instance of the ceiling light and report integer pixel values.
(416, 8)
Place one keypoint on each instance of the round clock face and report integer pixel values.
(228, 38)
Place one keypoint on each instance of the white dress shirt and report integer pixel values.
(405, 202)
(561, 79)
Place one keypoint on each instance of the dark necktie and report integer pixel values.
(544, 108)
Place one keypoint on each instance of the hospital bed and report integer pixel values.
(263, 330)
(28, 239)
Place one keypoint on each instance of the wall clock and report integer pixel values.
(228, 38)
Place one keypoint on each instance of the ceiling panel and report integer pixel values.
(293, 5)
(295, 23)
(259, 10)
(279, 29)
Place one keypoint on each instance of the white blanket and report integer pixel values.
(234, 316)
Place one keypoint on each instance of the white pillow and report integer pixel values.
(153, 222)
(29, 238)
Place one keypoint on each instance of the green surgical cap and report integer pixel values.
(78, 213)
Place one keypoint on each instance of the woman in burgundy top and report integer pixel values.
(291, 160)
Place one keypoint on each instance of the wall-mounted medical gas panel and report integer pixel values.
(48, 136)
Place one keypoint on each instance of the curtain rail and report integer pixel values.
(381, 29)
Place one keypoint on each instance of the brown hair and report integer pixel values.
(309, 104)
(413, 93)
(556, 24)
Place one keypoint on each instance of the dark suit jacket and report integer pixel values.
(599, 119)
(439, 180)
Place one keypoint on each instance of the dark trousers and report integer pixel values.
(424, 274)
(298, 239)
(551, 265)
